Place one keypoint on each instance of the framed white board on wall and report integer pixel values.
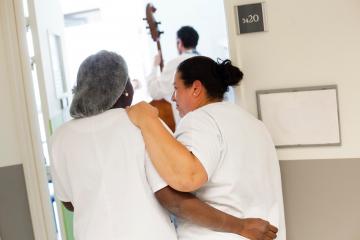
(300, 117)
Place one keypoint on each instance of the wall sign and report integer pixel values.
(301, 117)
(250, 18)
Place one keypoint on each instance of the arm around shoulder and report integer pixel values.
(173, 161)
(192, 209)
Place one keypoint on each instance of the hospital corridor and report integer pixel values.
(300, 81)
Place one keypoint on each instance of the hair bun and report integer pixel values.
(230, 74)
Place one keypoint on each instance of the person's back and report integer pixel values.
(100, 166)
(161, 87)
(246, 181)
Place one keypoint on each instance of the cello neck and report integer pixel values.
(161, 56)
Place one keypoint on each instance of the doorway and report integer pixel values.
(62, 33)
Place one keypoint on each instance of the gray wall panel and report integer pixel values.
(322, 199)
(15, 220)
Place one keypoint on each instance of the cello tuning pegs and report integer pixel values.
(158, 22)
(160, 32)
(145, 19)
(147, 27)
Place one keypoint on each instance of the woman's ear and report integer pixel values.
(197, 88)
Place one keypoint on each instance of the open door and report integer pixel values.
(45, 34)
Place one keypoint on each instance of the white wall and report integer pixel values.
(308, 43)
(207, 17)
(120, 28)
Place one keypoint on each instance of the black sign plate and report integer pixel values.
(250, 18)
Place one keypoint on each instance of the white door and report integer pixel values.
(45, 42)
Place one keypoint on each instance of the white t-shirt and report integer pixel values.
(242, 166)
(99, 164)
(163, 86)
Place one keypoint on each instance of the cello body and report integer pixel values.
(165, 112)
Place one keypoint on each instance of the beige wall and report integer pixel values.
(9, 154)
(308, 43)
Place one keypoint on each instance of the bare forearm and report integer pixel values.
(198, 213)
(173, 161)
(190, 208)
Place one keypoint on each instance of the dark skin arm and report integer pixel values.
(68, 206)
(190, 208)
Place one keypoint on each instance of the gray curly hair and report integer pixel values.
(101, 80)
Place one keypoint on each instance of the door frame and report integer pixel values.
(29, 131)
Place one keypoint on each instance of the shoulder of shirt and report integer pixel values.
(243, 113)
(209, 112)
(60, 131)
(69, 126)
(198, 113)
(176, 61)
(199, 116)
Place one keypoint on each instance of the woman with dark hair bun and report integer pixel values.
(216, 77)
(220, 152)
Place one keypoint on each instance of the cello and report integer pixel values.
(164, 107)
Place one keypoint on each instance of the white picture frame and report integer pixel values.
(301, 117)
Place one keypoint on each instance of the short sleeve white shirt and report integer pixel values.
(99, 164)
(241, 163)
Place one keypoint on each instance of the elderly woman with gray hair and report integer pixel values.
(101, 171)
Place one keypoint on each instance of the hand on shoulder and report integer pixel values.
(141, 112)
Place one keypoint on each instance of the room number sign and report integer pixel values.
(250, 18)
